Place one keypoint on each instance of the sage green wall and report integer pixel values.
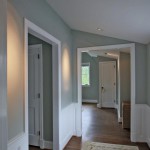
(92, 92)
(40, 13)
(148, 74)
(47, 86)
(15, 74)
(83, 39)
(125, 80)
(3, 75)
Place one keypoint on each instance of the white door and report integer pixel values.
(107, 72)
(34, 92)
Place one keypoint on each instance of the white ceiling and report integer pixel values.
(124, 19)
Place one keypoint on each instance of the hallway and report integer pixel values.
(101, 125)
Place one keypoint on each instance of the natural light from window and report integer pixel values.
(86, 74)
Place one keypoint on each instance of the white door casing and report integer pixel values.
(107, 88)
(35, 30)
(35, 89)
(78, 118)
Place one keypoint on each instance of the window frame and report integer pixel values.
(86, 64)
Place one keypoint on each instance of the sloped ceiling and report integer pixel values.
(124, 19)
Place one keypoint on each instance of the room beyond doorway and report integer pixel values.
(131, 48)
(56, 49)
(40, 92)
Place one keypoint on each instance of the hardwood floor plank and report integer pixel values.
(100, 125)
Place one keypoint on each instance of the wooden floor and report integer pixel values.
(101, 125)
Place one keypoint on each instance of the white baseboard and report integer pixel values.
(119, 119)
(66, 140)
(133, 137)
(90, 101)
(116, 106)
(47, 144)
(148, 124)
(142, 112)
(148, 142)
(99, 106)
(20, 142)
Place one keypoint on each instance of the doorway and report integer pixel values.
(56, 70)
(107, 48)
(35, 90)
(40, 93)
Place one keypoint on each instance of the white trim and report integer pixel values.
(78, 108)
(18, 142)
(100, 81)
(65, 140)
(99, 105)
(116, 106)
(142, 113)
(46, 144)
(148, 142)
(56, 49)
(119, 119)
(90, 101)
(15, 138)
(148, 124)
(68, 124)
(119, 86)
(41, 95)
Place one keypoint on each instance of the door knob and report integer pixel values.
(102, 88)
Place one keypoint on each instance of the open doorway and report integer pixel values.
(40, 93)
(100, 89)
(55, 44)
(118, 104)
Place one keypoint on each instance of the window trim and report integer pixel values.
(86, 64)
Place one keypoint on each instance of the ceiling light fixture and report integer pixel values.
(99, 29)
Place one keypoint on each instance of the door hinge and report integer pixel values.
(39, 133)
(38, 56)
(114, 66)
(114, 83)
(39, 95)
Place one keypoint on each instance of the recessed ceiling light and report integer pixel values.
(99, 29)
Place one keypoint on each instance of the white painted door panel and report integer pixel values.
(108, 84)
(34, 94)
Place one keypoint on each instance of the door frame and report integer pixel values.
(41, 94)
(100, 97)
(78, 118)
(33, 29)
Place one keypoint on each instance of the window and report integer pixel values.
(86, 74)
